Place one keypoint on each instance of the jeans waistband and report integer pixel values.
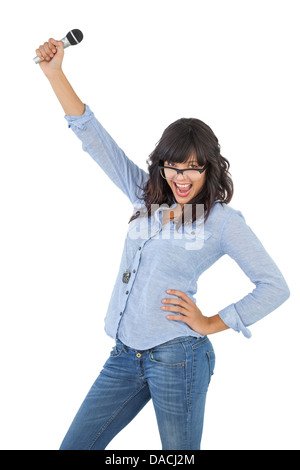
(180, 339)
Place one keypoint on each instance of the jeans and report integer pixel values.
(175, 375)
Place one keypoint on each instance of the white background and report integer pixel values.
(143, 64)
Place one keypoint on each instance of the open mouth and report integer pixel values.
(183, 190)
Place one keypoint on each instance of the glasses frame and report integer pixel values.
(161, 167)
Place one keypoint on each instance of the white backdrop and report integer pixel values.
(143, 64)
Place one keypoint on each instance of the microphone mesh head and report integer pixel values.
(74, 37)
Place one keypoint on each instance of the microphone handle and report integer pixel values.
(66, 44)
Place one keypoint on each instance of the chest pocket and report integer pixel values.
(190, 240)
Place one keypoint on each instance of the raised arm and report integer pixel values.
(124, 173)
(52, 53)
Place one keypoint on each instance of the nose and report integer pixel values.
(181, 178)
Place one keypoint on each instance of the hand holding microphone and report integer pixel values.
(50, 54)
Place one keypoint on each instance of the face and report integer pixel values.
(185, 188)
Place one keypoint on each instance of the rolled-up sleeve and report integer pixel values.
(98, 143)
(271, 290)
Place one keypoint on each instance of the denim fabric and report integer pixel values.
(162, 257)
(175, 375)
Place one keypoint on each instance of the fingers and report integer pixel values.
(180, 294)
(44, 52)
(177, 318)
(178, 305)
(184, 301)
(39, 54)
(47, 50)
(175, 303)
(177, 309)
(55, 43)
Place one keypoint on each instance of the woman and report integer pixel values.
(181, 225)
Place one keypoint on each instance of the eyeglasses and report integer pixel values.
(190, 174)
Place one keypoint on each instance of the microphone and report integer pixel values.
(73, 37)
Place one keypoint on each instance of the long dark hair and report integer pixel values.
(180, 140)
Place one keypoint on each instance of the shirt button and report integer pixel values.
(127, 292)
(134, 271)
(140, 247)
(121, 313)
(138, 355)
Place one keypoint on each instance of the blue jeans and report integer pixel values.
(175, 375)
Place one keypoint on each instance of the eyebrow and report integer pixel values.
(187, 163)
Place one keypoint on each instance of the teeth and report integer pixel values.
(183, 188)
(182, 185)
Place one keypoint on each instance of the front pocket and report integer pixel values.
(171, 355)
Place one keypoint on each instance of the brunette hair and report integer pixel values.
(182, 139)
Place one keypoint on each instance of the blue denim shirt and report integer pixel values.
(160, 257)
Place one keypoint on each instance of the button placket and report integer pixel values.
(136, 261)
